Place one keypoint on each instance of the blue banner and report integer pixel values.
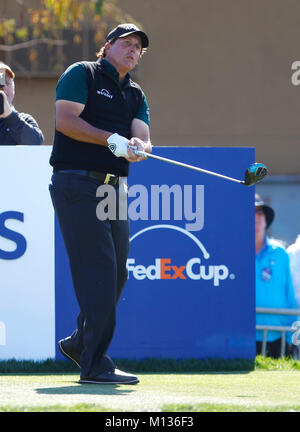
(190, 291)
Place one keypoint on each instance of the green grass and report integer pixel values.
(268, 363)
(157, 365)
(146, 365)
(273, 385)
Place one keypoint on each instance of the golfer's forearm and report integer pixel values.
(139, 129)
(78, 129)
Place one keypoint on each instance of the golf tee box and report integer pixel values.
(190, 291)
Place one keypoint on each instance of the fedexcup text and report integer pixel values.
(164, 268)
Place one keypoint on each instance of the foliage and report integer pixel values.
(53, 16)
(48, 22)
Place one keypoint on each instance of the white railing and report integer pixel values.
(281, 329)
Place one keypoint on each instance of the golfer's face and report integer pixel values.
(125, 52)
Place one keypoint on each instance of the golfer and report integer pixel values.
(100, 115)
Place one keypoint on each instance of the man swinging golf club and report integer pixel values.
(100, 114)
(102, 124)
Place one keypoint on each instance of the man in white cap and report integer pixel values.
(16, 128)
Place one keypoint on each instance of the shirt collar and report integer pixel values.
(265, 246)
(112, 71)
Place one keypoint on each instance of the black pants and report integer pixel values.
(97, 251)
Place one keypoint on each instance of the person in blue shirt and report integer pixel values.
(274, 288)
(294, 253)
(16, 128)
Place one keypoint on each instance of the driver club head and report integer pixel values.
(255, 173)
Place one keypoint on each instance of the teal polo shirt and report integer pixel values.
(72, 86)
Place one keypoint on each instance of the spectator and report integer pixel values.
(15, 128)
(294, 253)
(274, 287)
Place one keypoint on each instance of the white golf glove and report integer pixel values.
(118, 145)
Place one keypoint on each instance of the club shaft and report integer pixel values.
(150, 155)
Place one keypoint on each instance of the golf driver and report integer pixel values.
(253, 174)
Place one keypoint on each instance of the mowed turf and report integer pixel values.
(239, 391)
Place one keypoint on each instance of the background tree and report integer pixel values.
(43, 36)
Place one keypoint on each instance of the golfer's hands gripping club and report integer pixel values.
(136, 145)
(122, 147)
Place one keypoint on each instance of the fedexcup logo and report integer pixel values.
(163, 267)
